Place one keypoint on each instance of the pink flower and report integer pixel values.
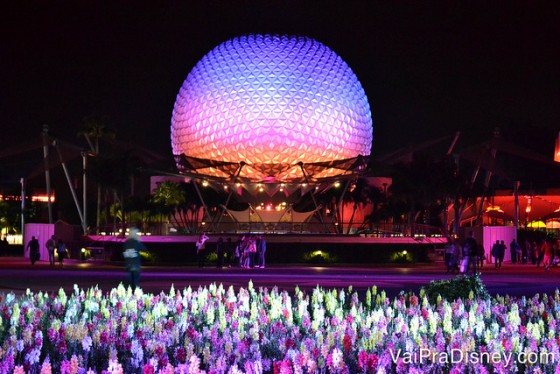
(61, 347)
(180, 355)
(65, 367)
(347, 343)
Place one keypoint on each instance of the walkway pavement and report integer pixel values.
(17, 275)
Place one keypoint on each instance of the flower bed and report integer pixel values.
(218, 330)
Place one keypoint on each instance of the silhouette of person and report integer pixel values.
(470, 252)
(61, 251)
(51, 245)
(131, 253)
(33, 247)
(261, 250)
(220, 252)
(201, 248)
(4, 245)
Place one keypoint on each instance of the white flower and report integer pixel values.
(194, 364)
(115, 367)
(233, 370)
(33, 356)
(336, 358)
(19, 345)
(86, 343)
(137, 351)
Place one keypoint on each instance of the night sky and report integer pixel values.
(428, 68)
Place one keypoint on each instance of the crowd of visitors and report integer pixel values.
(52, 245)
(248, 253)
(465, 257)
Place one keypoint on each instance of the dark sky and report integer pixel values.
(428, 68)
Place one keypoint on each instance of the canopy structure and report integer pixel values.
(295, 182)
(535, 210)
(223, 171)
(269, 219)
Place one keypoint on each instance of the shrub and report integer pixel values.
(148, 257)
(212, 257)
(460, 287)
(401, 257)
(319, 257)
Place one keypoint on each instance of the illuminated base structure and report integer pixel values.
(306, 205)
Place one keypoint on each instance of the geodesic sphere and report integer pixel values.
(271, 102)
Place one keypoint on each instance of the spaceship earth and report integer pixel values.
(271, 102)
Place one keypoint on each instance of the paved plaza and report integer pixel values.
(17, 275)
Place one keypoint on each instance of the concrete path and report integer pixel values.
(17, 275)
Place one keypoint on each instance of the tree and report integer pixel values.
(422, 188)
(94, 129)
(168, 196)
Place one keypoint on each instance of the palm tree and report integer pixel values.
(168, 196)
(94, 129)
(419, 185)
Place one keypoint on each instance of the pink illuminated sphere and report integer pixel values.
(271, 102)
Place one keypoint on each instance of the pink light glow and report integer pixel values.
(271, 102)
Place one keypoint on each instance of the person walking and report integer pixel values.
(525, 250)
(61, 252)
(261, 250)
(201, 249)
(448, 256)
(229, 252)
(503, 248)
(496, 249)
(250, 252)
(51, 245)
(548, 254)
(239, 252)
(480, 255)
(220, 252)
(131, 254)
(469, 251)
(514, 249)
(539, 254)
(456, 257)
(534, 252)
(33, 247)
(4, 245)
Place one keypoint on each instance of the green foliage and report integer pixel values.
(169, 194)
(212, 257)
(319, 257)
(401, 257)
(148, 257)
(462, 287)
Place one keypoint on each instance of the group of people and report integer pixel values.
(248, 253)
(544, 252)
(460, 258)
(498, 252)
(52, 246)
